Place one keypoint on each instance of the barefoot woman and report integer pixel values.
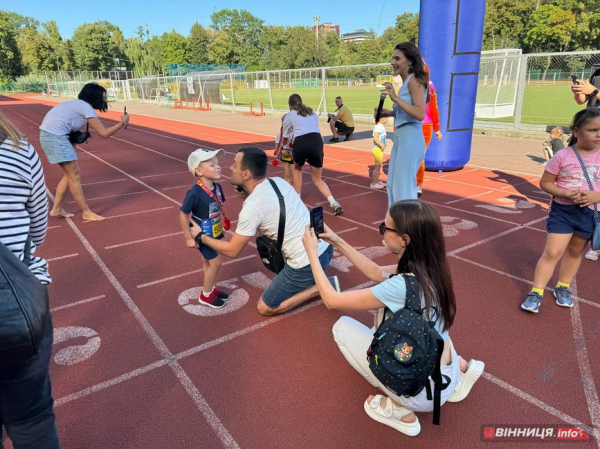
(54, 139)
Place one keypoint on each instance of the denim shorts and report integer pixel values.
(291, 281)
(569, 219)
(57, 147)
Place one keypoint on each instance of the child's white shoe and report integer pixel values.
(592, 255)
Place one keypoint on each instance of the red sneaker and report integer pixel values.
(211, 300)
(220, 294)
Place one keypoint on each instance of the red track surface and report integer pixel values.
(149, 373)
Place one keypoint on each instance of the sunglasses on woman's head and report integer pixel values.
(383, 228)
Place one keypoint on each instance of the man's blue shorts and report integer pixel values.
(291, 281)
(569, 219)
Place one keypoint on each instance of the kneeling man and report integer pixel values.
(295, 283)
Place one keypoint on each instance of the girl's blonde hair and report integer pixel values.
(556, 133)
(10, 131)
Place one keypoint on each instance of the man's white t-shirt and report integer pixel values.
(68, 116)
(295, 124)
(260, 212)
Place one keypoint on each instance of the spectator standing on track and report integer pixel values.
(570, 222)
(203, 205)
(431, 124)
(408, 112)
(260, 211)
(26, 404)
(342, 122)
(302, 123)
(54, 139)
(413, 230)
(379, 141)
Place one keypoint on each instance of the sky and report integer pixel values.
(164, 16)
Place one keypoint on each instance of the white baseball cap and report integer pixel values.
(201, 155)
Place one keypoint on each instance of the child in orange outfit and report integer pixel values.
(431, 123)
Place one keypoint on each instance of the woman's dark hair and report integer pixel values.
(580, 119)
(295, 102)
(255, 160)
(411, 52)
(93, 94)
(425, 256)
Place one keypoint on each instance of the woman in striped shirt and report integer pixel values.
(26, 408)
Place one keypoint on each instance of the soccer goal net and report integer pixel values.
(498, 77)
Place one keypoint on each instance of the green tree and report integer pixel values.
(198, 44)
(244, 32)
(173, 49)
(10, 56)
(550, 29)
(95, 46)
(505, 22)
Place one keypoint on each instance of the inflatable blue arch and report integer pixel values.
(450, 37)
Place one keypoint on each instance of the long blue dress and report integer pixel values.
(408, 151)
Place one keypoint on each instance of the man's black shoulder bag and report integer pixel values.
(269, 251)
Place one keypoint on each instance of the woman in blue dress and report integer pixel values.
(408, 112)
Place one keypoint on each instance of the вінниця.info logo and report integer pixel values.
(537, 432)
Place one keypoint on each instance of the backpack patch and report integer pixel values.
(403, 352)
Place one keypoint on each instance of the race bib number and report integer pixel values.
(213, 226)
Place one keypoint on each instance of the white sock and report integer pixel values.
(331, 200)
(206, 294)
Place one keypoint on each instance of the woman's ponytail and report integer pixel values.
(295, 102)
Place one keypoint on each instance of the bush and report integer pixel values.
(29, 83)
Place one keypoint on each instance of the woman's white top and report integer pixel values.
(67, 117)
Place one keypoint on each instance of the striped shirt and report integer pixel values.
(23, 203)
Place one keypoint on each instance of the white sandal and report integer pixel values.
(391, 415)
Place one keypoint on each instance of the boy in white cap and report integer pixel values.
(204, 205)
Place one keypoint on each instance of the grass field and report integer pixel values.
(542, 104)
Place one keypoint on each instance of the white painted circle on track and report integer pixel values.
(237, 299)
(77, 353)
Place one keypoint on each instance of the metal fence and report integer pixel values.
(515, 91)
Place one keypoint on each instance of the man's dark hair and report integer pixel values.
(93, 94)
(255, 160)
(338, 98)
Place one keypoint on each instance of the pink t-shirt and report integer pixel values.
(569, 174)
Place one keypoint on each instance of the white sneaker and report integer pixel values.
(592, 255)
(391, 415)
(336, 208)
(466, 380)
(419, 190)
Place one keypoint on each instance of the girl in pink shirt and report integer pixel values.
(570, 222)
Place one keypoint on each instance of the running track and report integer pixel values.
(137, 364)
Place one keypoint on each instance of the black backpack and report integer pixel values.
(406, 351)
(24, 308)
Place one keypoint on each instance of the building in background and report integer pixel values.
(327, 28)
(358, 36)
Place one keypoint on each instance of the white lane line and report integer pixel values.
(199, 401)
(468, 197)
(348, 197)
(112, 196)
(534, 401)
(494, 237)
(134, 213)
(76, 303)
(52, 227)
(62, 257)
(346, 230)
(583, 360)
(170, 278)
(103, 182)
(142, 240)
(109, 383)
(165, 174)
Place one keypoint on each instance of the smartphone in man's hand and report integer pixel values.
(125, 113)
(316, 220)
(574, 79)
